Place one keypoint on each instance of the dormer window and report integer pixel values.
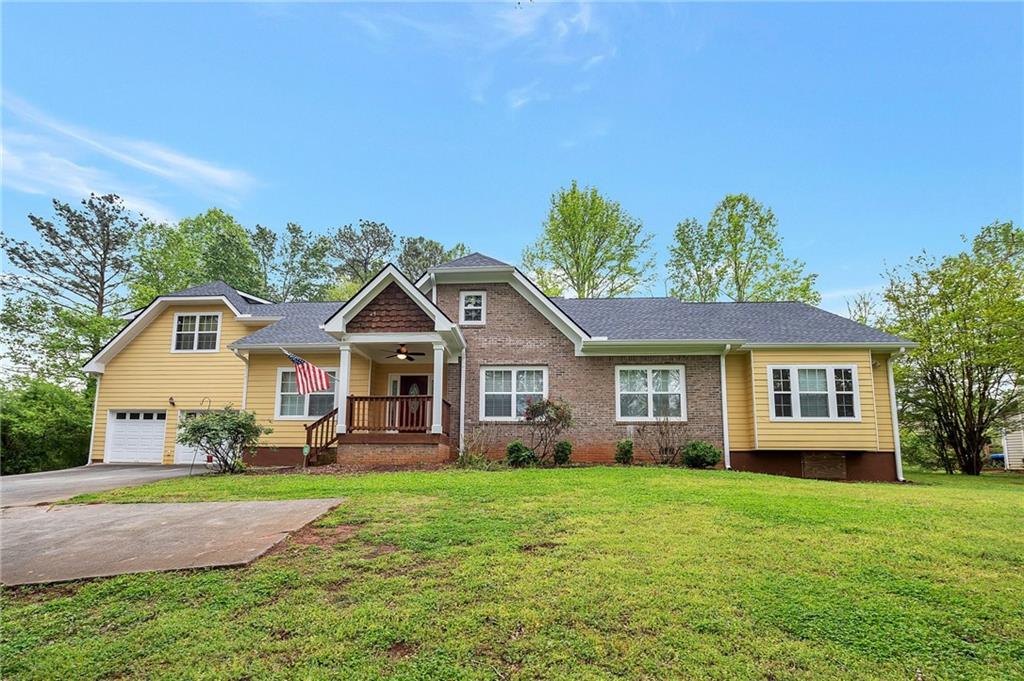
(196, 332)
(472, 308)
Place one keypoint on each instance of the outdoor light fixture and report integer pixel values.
(170, 400)
(401, 355)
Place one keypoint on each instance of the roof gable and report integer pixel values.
(390, 275)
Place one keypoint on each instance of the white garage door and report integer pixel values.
(136, 436)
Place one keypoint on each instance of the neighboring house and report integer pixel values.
(783, 388)
(1013, 445)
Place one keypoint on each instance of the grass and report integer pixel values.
(572, 574)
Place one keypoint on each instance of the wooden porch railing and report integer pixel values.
(395, 413)
(390, 414)
(321, 434)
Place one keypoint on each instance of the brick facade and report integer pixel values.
(517, 334)
(391, 311)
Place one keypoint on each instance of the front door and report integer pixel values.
(412, 414)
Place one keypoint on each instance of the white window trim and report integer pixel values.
(197, 315)
(513, 369)
(650, 393)
(462, 308)
(794, 384)
(305, 402)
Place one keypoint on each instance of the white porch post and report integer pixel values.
(435, 424)
(341, 387)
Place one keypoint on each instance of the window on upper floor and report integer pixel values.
(506, 391)
(291, 404)
(650, 393)
(813, 393)
(472, 307)
(196, 332)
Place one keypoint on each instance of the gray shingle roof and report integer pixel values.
(671, 319)
(472, 260)
(215, 288)
(614, 318)
(300, 324)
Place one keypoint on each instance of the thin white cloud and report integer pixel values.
(37, 171)
(518, 97)
(143, 155)
(844, 293)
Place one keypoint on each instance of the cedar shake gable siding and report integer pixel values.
(391, 311)
(517, 334)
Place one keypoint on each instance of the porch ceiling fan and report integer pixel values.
(403, 353)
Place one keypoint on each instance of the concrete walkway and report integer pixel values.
(58, 543)
(39, 488)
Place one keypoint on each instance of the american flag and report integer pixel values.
(309, 377)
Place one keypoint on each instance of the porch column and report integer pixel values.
(341, 386)
(435, 424)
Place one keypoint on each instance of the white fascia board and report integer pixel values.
(256, 298)
(885, 347)
(97, 364)
(450, 274)
(336, 323)
(651, 348)
(276, 347)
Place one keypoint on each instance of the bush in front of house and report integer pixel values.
(222, 437)
(624, 452)
(519, 455)
(563, 452)
(547, 419)
(701, 454)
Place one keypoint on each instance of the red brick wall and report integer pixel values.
(852, 466)
(517, 334)
(392, 455)
(392, 310)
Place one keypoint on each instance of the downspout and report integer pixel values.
(895, 421)
(245, 377)
(462, 402)
(725, 412)
(92, 432)
(433, 288)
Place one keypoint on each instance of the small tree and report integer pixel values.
(548, 419)
(661, 440)
(966, 312)
(223, 436)
(591, 246)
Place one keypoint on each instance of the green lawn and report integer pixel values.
(574, 573)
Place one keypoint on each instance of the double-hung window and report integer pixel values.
(293, 405)
(650, 393)
(505, 392)
(196, 332)
(473, 307)
(814, 393)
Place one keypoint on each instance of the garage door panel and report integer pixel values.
(136, 436)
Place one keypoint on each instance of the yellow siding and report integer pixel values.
(146, 374)
(880, 366)
(263, 390)
(740, 410)
(827, 435)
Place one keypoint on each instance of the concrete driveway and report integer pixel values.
(38, 488)
(58, 543)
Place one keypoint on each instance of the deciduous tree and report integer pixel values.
(590, 246)
(738, 256)
(361, 253)
(966, 312)
(292, 266)
(418, 254)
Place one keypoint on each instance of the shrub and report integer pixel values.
(43, 427)
(661, 440)
(547, 419)
(563, 452)
(224, 436)
(519, 455)
(624, 452)
(476, 462)
(700, 454)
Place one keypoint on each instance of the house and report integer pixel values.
(782, 388)
(1013, 444)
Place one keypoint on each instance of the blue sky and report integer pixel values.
(873, 130)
